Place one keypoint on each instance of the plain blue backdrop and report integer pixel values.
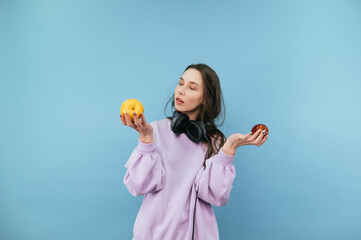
(67, 66)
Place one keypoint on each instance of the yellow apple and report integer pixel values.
(130, 106)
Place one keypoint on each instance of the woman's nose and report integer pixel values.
(181, 90)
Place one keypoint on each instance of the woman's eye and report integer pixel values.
(189, 87)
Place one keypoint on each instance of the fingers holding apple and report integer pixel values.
(128, 120)
(122, 118)
(131, 114)
(132, 106)
(256, 135)
(260, 134)
(145, 129)
(261, 127)
(139, 121)
(261, 140)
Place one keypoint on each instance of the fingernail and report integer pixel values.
(134, 113)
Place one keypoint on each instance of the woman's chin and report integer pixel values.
(178, 108)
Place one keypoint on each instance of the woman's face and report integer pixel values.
(188, 94)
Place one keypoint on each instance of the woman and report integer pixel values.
(183, 164)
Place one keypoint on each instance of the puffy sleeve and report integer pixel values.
(214, 182)
(145, 171)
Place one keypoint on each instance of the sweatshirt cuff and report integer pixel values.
(146, 148)
(224, 158)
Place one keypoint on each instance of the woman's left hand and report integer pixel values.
(237, 139)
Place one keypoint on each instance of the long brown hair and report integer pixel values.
(212, 111)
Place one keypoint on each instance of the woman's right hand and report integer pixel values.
(140, 125)
(237, 139)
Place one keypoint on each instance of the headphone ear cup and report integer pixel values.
(178, 122)
(195, 131)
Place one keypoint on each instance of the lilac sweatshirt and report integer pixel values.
(170, 173)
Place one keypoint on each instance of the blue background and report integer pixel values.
(67, 66)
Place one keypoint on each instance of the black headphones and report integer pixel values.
(195, 130)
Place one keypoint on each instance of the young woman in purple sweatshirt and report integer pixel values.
(184, 164)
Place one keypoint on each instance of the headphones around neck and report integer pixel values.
(194, 130)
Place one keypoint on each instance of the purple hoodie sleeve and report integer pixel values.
(145, 171)
(214, 183)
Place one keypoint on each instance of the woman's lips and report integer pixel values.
(179, 101)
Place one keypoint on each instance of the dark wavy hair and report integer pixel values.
(212, 111)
